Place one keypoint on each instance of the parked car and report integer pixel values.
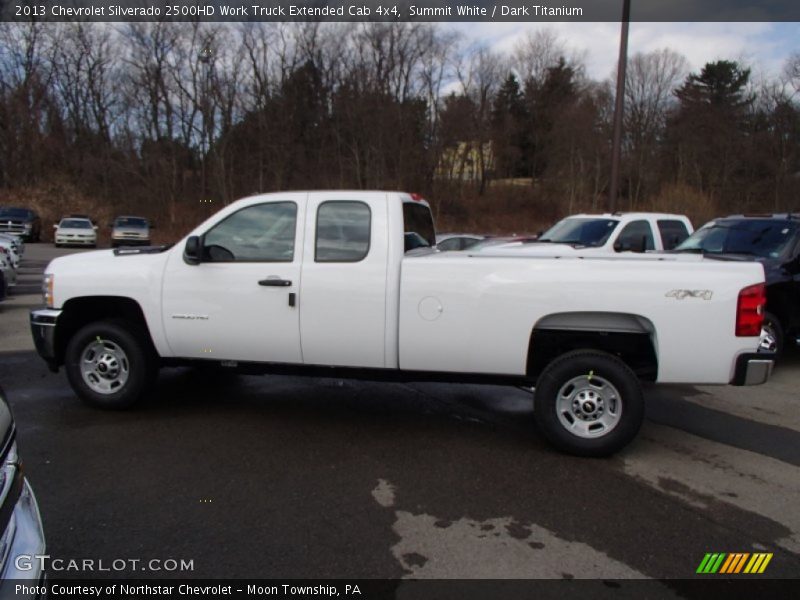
(772, 240)
(22, 221)
(23, 536)
(319, 282)
(7, 268)
(15, 240)
(11, 251)
(130, 231)
(586, 234)
(457, 241)
(75, 232)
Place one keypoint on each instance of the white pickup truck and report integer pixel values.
(607, 234)
(324, 283)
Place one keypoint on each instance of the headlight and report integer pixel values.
(47, 290)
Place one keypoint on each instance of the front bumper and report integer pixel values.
(71, 241)
(43, 329)
(24, 540)
(752, 369)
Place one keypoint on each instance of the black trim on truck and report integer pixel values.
(752, 369)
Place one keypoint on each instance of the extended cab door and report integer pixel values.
(343, 294)
(238, 303)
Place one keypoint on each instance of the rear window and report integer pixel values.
(343, 231)
(672, 232)
(417, 219)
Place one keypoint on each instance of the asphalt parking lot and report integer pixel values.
(291, 477)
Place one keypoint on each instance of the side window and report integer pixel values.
(343, 231)
(672, 233)
(634, 233)
(259, 233)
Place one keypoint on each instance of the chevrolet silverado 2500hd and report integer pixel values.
(342, 283)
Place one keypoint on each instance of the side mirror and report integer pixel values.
(94, 227)
(191, 252)
(55, 225)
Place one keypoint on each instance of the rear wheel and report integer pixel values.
(588, 403)
(108, 366)
(771, 335)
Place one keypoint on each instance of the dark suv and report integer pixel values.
(772, 240)
(22, 221)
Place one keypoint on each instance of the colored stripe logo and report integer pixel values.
(734, 563)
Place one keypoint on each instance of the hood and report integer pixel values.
(538, 249)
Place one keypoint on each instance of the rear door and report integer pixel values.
(342, 298)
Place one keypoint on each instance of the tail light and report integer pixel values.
(750, 310)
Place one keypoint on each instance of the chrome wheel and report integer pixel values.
(588, 406)
(769, 340)
(104, 366)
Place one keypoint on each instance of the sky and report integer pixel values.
(762, 46)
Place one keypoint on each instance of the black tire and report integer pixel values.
(597, 367)
(773, 327)
(141, 363)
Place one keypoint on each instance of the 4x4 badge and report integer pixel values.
(681, 294)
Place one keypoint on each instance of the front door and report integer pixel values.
(239, 302)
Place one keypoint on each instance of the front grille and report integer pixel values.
(15, 227)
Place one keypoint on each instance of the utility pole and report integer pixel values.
(206, 57)
(619, 108)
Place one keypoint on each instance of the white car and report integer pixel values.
(608, 233)
(73, 231)
(349, 284)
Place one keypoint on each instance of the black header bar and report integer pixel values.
(397, 10)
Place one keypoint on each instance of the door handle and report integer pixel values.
(275, 282)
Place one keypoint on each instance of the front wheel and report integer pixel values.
(588, 403)
(108, 366)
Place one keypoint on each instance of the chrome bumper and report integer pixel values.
(43, 329)
(752, 369)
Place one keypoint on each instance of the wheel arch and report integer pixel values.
(77, 312)
(628, 336)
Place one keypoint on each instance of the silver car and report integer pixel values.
(130, 231)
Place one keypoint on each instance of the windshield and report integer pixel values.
(75, 224)
(766, 238)
(14, 213)
(134, 222)
(584, 231)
